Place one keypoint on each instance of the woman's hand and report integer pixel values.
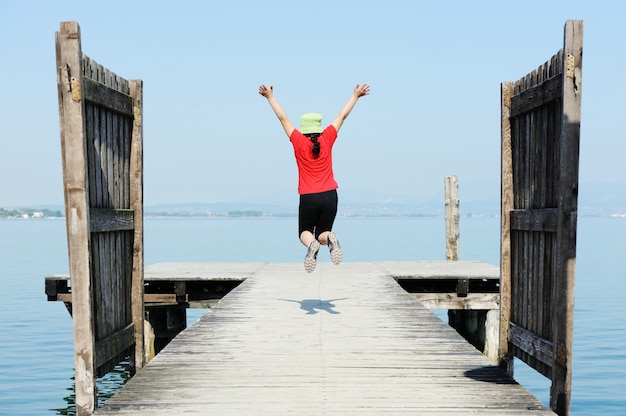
(266, 92)
(362, 90)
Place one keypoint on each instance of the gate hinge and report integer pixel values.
(570, 63)
(561, 354)
(75, 89)
(137, 115)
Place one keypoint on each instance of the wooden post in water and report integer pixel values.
(463, 321)
(452, 217)
(479, 327)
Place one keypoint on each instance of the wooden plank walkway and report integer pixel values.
(344, 340)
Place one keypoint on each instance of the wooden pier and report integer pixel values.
(343, 340)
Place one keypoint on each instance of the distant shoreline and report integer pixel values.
(25, 216)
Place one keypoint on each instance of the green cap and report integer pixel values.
(311, 123)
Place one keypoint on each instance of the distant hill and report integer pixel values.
(476, 199)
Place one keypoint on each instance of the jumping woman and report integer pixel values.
(313, 147)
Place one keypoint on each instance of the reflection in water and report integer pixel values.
(106, 386)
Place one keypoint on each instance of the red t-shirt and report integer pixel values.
(314, 174)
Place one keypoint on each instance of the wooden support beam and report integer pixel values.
(110, 346)
(106, 97)
(102, 220)
(536, 96)
(452, 301)
(180, 289)
(462, 287)
(531, 343)
(534, 219)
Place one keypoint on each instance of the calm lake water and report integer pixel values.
(36, 351)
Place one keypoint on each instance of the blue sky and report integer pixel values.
(434, 110)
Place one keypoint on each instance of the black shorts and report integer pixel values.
(317, 212)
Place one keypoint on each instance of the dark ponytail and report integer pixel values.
(316, 145)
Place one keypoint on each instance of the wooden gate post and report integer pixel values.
(77, 215)
(136, 204)
(563, 307)
(101, 142)
(506, 202)
(540, 160)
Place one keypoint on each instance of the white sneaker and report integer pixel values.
(336, 254)
(311, 256)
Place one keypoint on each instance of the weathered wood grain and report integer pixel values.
(107, 97)
(73, 147)
(540, 160)
(534, 219)
(101, 134)
(344, 340)
(451, 186)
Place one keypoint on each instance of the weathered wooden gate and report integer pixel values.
(101, 140)
(540, 148)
